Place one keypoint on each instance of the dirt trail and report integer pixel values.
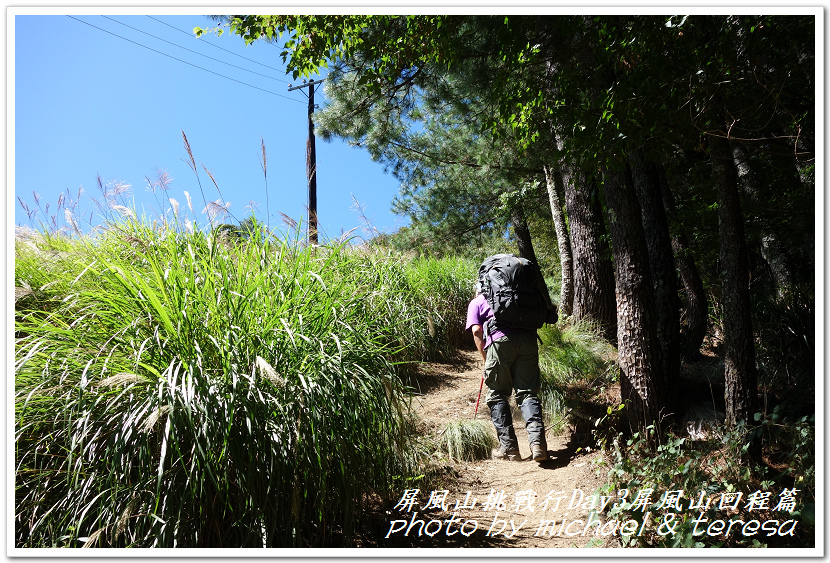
(449, 392)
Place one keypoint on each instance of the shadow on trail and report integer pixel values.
(430, 377)
(558, 459)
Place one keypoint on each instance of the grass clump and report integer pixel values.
(467, 440)
(576, 363)
(445, 287)
(574, 350)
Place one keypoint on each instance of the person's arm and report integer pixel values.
(478, 337)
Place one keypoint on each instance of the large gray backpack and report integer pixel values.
(516, 292)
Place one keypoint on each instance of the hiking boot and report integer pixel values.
(532, 413)
(507, 455)
(503, 421)
(538, 453)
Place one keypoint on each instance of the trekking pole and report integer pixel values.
(480, 387)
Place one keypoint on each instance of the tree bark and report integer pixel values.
(697, 305)
(523, 240)
(593, 272)
(741, 378)
(553, 178)
(646, 180)
(637, 344)
(770, 249)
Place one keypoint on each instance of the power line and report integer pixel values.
(218, 47)
(186, 62)
(195, 52)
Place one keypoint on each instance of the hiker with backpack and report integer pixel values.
(511, 303)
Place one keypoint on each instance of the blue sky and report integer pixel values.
(90, 103)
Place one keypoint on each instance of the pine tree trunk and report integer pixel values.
(593, 272)
(523, 240)
(697, 305)
(770, 248)
(553, 177)
(661, 263)
(637, 344)
(741, 379)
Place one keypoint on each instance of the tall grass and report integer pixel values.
(571, 354)
(444, 287)
(429, 307)
(177, 389)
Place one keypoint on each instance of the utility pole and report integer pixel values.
(311, 162)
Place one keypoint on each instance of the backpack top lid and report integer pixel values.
(502, 270)
(512, 287)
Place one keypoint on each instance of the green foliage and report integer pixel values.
(791, 446)
(786, 341)
(425, 319)
(475, 245)
(190, 390)
(37, 256)
(704, 470)
(313, 42)
(444, 287)
(462, 109)
(455, 178)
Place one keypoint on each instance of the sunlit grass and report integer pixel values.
(178, 389)
(571, 354)
(467, 440)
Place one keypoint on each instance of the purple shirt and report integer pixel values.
(478, 311)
